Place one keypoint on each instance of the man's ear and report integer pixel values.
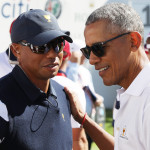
(15, 49)
(136, 40)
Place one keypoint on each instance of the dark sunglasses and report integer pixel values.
(57, 45)
(98, 48)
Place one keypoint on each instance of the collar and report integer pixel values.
(28, 87)
(140, 82)
(61, 73)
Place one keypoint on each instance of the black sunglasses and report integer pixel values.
(98, 48)
(57, 45)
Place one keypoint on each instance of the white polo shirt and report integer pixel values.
(5, 66)
(132, 121)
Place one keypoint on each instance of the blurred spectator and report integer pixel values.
(147, 46)
(79, 136)
(7, 59)
(78, 73)
(6, 62)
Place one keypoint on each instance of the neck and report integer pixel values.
(42, 84)
(138, 64)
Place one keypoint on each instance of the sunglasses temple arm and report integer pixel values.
(115, 37)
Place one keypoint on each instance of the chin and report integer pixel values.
(108, 83)
(53, 75)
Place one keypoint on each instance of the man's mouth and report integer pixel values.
(51, 65)
(104, 68)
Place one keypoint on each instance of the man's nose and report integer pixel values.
(93, 58)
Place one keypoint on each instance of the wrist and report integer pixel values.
(83, 120)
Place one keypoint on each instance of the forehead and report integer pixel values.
(96, 32)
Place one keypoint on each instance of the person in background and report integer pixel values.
(114, 36)
(147, 46)
(5, 65)
(7, 59)
(78, 73)
(79, 136)
(35, 113)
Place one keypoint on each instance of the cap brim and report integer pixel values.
(48, 36)
(66, 32)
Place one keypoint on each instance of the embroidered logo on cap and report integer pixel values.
(48, 18)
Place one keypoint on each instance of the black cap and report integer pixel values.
(66, 32)
(37, 27)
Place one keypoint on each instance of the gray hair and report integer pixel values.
(121, 18)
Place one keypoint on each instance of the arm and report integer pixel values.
(103, 140)
(79, 139)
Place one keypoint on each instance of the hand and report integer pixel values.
(76, 109)
(99, 100)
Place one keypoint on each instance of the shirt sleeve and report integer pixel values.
(4, 121)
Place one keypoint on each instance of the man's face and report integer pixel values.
(114, 65)
(39, 66)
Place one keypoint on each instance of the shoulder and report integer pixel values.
(63, 81)
(66, 82)
(5, 81)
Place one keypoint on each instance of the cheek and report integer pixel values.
(28, 59)
(118, 63)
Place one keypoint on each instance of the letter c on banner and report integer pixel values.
(2, 10)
